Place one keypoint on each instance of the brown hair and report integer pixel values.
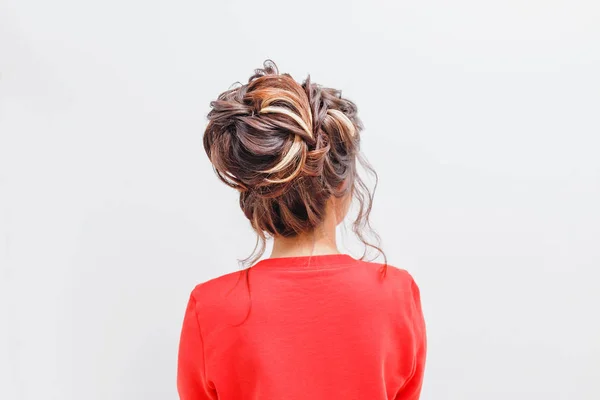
(287, 148)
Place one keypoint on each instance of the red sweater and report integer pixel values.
(320, 327)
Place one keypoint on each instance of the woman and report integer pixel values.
(308, 322)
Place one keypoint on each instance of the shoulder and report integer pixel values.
(216, 287)
(395, 274)
(393, 280)
(221, 299)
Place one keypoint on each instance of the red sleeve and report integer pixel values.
(412, 388)
(191, 377)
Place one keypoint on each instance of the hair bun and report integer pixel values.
(258, 134)
(287, 147)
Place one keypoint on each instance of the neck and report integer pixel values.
(318, 242)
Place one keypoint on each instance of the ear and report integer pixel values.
(341, 206)
(344, 186)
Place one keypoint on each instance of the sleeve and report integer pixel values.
(191, 377)
(412, 388)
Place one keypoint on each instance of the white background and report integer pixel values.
(482, 119)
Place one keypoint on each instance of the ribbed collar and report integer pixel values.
(321, 261)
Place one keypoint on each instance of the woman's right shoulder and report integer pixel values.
(396, 281)
(397, 274)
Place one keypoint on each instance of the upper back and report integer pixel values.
(305, 326)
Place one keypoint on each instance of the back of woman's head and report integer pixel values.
(287, 148)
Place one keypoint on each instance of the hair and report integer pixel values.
(287, 148)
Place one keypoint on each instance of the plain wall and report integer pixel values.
(482, 119)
